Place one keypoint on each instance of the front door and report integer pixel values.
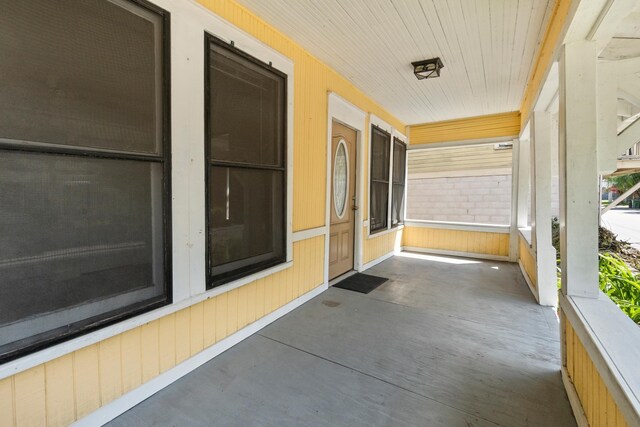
(343, 203)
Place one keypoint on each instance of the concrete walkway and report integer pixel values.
(445, 342)
(625, 223)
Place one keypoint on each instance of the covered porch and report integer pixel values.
(445, 342)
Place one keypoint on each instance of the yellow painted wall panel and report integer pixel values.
(232, 311)
(86, 380)
(167, 342)
(196, 329)
(598, 404)
(221, 317)
(131, 354)
(150, 345)
(60, 395)
(260, 305)
(477, 242)
(209, 322)
(110, 369)
(528, 261)
(29, 389)
(183, 335)
(470, 128)
(6, 402)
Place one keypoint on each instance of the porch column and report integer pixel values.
(524, 168)
(541, 208)
(578, 162)
(515, 197)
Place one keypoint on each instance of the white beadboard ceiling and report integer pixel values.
(487, 47)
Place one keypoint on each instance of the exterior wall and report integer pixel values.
(598, 404)
(70, 387)
(473, 242)
(376, 247)
(527, 261)
(478, 199)
(472, 128)
(74, 385)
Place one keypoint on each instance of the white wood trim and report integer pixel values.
(515, 175)
(628, 137)
(127, 401)
(612, 341)
(432, 145)
(574, 400)
(309, 233)
(465, 226)
(525, 232)
(387, 231)
(454, 253)
(532, 288)
(344, 112)
(377, 261)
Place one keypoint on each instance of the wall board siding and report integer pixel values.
(377, 247)
(481, 127)
(70, 387)
(597, 403)
(476, 242)
(528, 261)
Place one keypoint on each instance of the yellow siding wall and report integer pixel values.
(528, 261)
(597, 402)
(476, 242)
(491, 126)
(377, 247)
(72, 386)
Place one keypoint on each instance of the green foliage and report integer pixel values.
(620, 284)
(624, 182)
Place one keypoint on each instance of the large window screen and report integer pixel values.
(399, 175)
(246, 164)
(380, 153)
(83, 167)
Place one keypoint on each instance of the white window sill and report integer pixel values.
(387, 231)
(466, 226)
(525, 232)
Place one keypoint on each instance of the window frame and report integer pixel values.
(401, 218)
(101, 321)
(256, 267)
(375, 128)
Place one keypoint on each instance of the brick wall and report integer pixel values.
(476, 199)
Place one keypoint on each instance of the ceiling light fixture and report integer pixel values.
(427, 69)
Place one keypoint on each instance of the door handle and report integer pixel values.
(354, 208)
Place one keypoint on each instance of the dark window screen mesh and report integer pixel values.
(85, 71)
(399, 166)
(81, 231)
(247, 165)
(380, 152)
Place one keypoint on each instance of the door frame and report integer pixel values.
(342, 111)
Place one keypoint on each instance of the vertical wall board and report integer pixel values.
(6, 402)
(183, 335)
(30, 407)
(232, 311)
(243, 303)
(260, 306)
(86, 380)
(150, 345)
(131, 352)
(196, 328)
(60, 396)
(167, 342)
(221, 317)
(110, 369)
(209, 322)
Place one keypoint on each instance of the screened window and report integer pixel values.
(245, 164)
(397, 196)
(83, 167)
(379, 205)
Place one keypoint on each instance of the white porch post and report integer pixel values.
(523, 182)
(579, 204)
(541, 208)
(513, 229)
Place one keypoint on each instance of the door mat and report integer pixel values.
(363, 283)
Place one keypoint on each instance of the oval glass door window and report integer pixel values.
(340, 179)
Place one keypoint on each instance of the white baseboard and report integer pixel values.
(377, 261)
(532, 288)
(455, 253)
(574, 400)
(127, 401)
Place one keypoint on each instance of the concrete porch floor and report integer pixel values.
(445, 342)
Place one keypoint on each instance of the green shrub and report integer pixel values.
(620, 284)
